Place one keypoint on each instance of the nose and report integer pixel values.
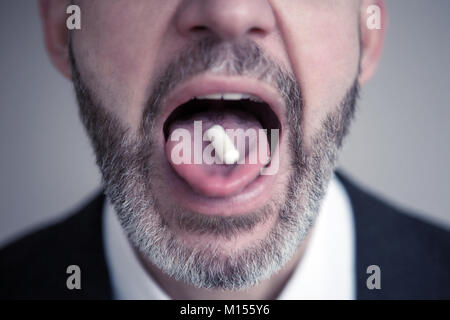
(226, 19)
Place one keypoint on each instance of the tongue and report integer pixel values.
(187, 152)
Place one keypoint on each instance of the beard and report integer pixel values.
(130, 178)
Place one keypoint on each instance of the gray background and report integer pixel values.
(399, 146)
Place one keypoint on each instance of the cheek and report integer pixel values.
(323, 47)
(117, 50)
(327, 68)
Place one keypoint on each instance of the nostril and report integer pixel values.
(257, 31)
(199, 29)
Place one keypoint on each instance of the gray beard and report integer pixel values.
(129, 180)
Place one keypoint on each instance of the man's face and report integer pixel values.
(140, 71)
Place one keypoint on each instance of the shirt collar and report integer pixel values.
(326, 270)
(129, 279)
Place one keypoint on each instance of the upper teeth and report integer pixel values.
(229, 96)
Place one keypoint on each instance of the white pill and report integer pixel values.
(223, 146)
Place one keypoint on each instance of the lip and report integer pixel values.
(253, 197)
(257, 192)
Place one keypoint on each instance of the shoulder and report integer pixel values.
(413, 254)
(34, 267)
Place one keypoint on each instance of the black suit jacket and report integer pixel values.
(413, 256)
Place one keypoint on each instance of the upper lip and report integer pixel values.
(211, 84)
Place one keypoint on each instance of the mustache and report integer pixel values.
(210, 54)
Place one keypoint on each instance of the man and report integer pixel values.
(152, 78)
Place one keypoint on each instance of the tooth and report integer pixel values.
(214, 96)
(254, 98)
(233, 96)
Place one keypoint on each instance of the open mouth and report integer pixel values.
(211, 185)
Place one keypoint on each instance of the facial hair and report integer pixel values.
(130, 180)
